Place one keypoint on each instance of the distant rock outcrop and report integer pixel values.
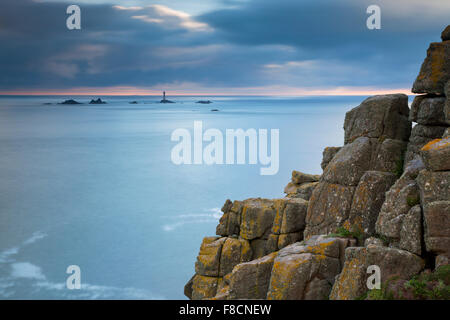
(70, 101)
(204, 102)
(383, 200)
(98, 101)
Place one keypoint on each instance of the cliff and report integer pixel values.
(383, 199)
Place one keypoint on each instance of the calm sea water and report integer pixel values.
(94, 186)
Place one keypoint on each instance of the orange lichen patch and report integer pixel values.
(437, 144)
(283, 272)
(320, 249)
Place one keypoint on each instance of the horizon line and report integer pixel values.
(251, 91)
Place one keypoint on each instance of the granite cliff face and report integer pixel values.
(383, 199)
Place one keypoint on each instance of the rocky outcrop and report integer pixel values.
(301, 185)
(351, 190)
(304, 270)
(70, 101)
(383, 200)
(97, 101)
(247, 230)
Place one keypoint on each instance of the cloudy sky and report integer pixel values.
(286, 47)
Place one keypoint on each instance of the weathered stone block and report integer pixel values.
(435, 70)
(250, 280)
(234, 251)
(379, 116)
(303, 191)
(290, 215)
(208, 259)
(305, 270)
(329, 207)
(257, 218)
(436, 155)
(351, 282)
(428, 110)
(300, 177)
(350, 163)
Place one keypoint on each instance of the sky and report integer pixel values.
(215, 47)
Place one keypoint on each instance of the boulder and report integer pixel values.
(256, 218)
(329, 207)
(250, 280)
(300, 177)
(327, 155)
(379, 116)
(350, 163)
(428, 110)
(306, 271)
(290, 215)
(352, 281)
(436, 155)
(435, 70)
(303, 191)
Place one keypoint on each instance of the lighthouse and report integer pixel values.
(164, 100)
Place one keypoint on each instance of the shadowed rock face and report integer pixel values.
(369, 190)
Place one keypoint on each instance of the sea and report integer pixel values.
(94, 186)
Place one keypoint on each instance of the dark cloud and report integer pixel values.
(296, 43)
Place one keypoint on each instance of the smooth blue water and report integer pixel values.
(94, 186)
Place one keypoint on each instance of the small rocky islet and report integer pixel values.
(72, 101)
(383, 199)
